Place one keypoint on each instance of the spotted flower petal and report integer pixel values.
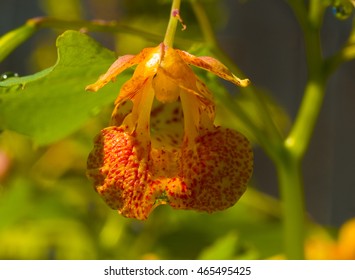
(214, 174)
(120, 169)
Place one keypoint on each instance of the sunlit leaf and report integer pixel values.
(53, 103)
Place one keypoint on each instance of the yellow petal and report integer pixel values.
(213, 65)
(346, 242)
(167, 125)
(320, 246)
(143, 74)
(121, 64)
(175, 77)
(120, 112)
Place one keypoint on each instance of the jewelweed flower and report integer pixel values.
(162, 146)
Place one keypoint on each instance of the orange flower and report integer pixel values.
(322, 247)
(162, 146)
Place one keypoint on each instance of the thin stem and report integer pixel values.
(100, 26)
(173, 21)
(94, 25)
(302, 130)
(14, 38)
(315, 14)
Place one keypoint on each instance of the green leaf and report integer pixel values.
(223, 248)
(51, 104)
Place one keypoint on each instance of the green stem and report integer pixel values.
(292, 203)
(298, 140)
(296, 144)
(14, 38)
(173, 21)
(93, 26)
(289, 168)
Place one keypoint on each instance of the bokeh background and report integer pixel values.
(48, 208)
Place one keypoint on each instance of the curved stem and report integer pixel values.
(298, 140)
(14, 38)
(93, 26)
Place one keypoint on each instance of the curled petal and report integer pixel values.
(214, 175)
(119, 168)
(213, 65)
(121, 64)
(143, 74)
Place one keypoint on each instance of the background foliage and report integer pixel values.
(48, 208)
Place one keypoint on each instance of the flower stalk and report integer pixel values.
(173, 21)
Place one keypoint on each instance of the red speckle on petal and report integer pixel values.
(119, 167)
(215, 174)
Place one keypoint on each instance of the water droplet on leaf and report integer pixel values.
(6, 75)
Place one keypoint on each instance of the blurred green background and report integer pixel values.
(48, 208)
